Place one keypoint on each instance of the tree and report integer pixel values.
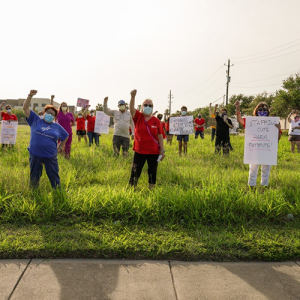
(288, 98)
(245, 102)
(99, 107)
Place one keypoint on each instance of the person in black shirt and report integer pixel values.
(222, 131)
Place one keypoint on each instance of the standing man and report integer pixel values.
(199, 127)
(213, 128)
(122, 121)
(222, 132)
(184, 137)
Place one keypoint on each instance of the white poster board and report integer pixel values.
(8, 132)
(235, 129)
(261, 140)
(181, 125)
(102, 122)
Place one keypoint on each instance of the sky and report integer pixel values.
(93, 49)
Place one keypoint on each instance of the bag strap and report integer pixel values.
(156, 142)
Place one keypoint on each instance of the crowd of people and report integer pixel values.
(51, 133)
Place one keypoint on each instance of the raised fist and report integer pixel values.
(216, 105)
(133, 93)
(52, 97)
(105, 99)
(293, 111)
(33, 92)
(237, 103)
(2, 104)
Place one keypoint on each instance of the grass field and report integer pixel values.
(201, 208)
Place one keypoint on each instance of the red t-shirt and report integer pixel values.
(7, 117)
(199, 122)
(80, 123)
(143, 142)
(168, 126)
(163, 128)
(91, 123)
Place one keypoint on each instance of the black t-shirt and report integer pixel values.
(222, 127)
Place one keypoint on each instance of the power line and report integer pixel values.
(267, 50)
(246, 87)
(268, 54)
(265, 78)
(211, 94)
(268, 58)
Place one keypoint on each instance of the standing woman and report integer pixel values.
(43, 149)
(169, 136)
(91, 119)
(66, 120)
(261, 110)
(148, 141)
(294, 131)
(80, 129)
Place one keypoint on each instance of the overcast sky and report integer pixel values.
(92, 49)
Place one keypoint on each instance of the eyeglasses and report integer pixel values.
(148, 105)
(262, 109)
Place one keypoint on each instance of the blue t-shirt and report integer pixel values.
(44, 136)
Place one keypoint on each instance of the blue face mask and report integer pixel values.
(48, 118)
(80, 116)
(8, 110)
(147, 110)
(183, 112)
(262, 113)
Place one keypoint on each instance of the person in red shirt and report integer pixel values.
(80, 129)
(91, 118)
(163, 125)
(199, 127)
(148, 141)
(169, 136)
(7, 116)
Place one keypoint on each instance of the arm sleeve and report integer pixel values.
(33, 117)
(107, 111)
(62, 132)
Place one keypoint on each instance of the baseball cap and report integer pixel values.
(121, 102)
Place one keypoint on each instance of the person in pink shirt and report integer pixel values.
(66, 120)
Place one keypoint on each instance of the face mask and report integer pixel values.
(79, 116)
(183, 112)
(199, 117)
(297, 119)
(48, 118)
(122, 107)
(262, 113)
(92, 114)
(63, 108)
(147, 110)
(223, 114)
(8, 110)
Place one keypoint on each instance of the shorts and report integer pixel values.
(81, 132)
(294, 138)
(184, 138)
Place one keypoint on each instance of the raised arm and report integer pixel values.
(52, 98)
(105, 109)
(132, 102)
(2, 105)
(238, 113)
(289, 116)
(215, 110)
(85, 111)
(26, 103)
(210, 110)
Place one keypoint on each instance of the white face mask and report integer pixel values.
(63, 108)
(92, 114)
(122, 107)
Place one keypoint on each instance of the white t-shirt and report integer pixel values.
(295, 131)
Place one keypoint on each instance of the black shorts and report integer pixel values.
(168, 133)
(81, 132)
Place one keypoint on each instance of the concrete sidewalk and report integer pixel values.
(138, 280)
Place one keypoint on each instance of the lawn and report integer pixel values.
(201, 209)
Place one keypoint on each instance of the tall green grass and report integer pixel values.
(200, 188)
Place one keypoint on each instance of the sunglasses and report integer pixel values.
(262, 109)
(148, 105)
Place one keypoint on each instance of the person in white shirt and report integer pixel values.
(122, 121)
(294, 132)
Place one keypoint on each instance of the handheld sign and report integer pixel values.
(8, 132)
(101, 122)
(181, 125)
(82, 102)
(261, 140)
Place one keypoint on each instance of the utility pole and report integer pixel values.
(228, 79)
(170, 101)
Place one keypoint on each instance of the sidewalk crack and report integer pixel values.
(175, 292)
(9, 297)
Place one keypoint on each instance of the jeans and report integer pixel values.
(138, 164)
(265, 173)
(213, 133)
(95, 136)
(36, 170)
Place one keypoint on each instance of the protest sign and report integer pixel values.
(181, 125)
(82, 102)
(8, 132)
(235, 129)
(102, 122)
(211, 122)
(261, 140)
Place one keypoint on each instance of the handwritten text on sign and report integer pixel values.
(261, 140)
(82, 102)
(102, 122)
(8, 132)
(181, 125)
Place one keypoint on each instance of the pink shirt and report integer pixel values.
(65, 121)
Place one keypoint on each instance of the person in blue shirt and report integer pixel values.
(43, 143)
